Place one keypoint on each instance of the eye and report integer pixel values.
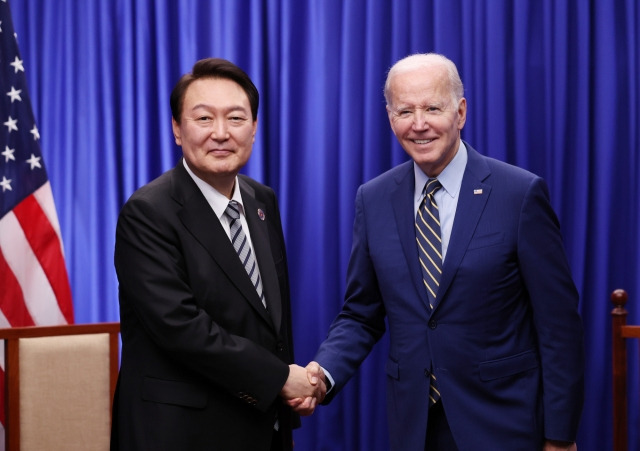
(434, 110)
(204, 118)
(237, 119)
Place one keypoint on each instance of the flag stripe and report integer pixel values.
(47, 249)
(44, 196)
(12, 301)
(38, 294)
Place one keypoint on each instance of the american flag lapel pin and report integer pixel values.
(477, 191)
(261, 214)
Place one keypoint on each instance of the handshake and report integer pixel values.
(305, 388)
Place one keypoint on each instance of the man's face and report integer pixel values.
(216, 130)
(425, 117)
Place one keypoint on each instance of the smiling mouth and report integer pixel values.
(422, 141)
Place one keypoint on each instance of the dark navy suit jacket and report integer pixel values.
(505, 338)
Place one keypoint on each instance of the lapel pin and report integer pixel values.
(477, 191)
(261, 214)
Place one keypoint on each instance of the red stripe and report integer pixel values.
(47, 248)
(11, 297)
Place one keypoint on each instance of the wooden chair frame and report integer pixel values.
(621, 332)
(12, 336)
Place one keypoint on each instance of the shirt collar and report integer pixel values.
(450, 178)
(216, 200)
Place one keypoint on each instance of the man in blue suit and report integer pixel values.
(500, 331)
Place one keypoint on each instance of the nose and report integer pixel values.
(219, 130)
(420, 119)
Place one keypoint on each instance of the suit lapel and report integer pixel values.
(403, 209)
(201, 221)
(474, 194)
(258, 227)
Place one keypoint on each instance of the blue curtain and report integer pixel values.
(552, 86)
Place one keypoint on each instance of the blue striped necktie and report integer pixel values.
(241, 245)
(429, 241)
(430, 255)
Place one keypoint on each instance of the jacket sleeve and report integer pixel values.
(360, 323)
(554, 301)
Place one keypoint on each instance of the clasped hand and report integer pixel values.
(305, 388)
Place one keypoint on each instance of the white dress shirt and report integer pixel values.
(219, 203)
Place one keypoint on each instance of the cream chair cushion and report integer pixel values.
(65, 398)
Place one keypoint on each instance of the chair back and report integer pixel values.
(621, 333)
(59, 385)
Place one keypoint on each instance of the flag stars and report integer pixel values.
(34, 162)
(5, 184)
(36, 134)
(12, 124)
(15, 94)
(8, 154)
(17, 65)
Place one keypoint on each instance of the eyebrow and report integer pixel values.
(226, 110)
(426, 105)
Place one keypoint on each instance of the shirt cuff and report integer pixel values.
(329, 380)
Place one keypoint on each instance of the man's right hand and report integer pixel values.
(305, 388)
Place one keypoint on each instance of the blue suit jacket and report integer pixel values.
(505, 338)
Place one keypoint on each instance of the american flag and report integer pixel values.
(34, 287)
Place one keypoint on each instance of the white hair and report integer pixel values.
(427, 60)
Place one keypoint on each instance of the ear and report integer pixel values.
(176, 131)
(462, 113)
(255, 129)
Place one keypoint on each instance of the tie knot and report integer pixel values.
(233, 210)
(431, 187)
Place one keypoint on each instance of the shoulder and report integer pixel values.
(497, 172)
(389, 179)
(509, 171)
(162, 196)
(154, 190)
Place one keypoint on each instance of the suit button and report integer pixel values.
(280, 346)
(433, 324)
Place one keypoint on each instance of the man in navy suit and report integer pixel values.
(500, 334)
(206, 338)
